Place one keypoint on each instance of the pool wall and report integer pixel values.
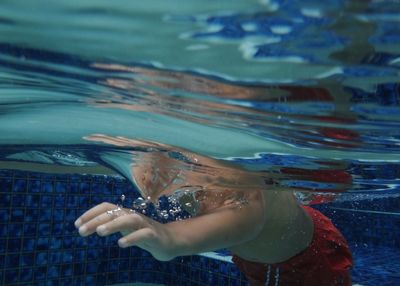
(39, 244)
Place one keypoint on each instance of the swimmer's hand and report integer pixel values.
(137, 230)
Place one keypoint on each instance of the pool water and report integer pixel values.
(305, 93)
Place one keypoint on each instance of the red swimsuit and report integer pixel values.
(326, 262)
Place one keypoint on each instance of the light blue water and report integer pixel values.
(304, 94)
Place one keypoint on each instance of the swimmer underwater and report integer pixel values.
(274, 240)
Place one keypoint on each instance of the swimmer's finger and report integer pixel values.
(125, 223)
(90, 227)
(94, 212)
(142, 238)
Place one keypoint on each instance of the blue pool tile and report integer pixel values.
(39, 273)
(3, 229)
(90, 279)
(5, 200)
(59, 201)
(55, 243)
(17, 215)
(32, 201)
(10, 276)
(12, 260)
(58, 215)
(68, 256)
(44, 229)
(79, 269)
(57, 228)
(28, 244)
(55, 257)
(19, 185)
(3, 243)
(53, 271)
(47, 186)
(15, 229)
(26, 275)
(31, 215)
(42, 243)
(79, 255)
(67, 242)
(27, 259)
(34, 186)
(60, 187)
(66, 270)
(41, 258)
(6, 185)
(14, 245)
(4, 215)
(45, 215)
(18, 200)
(46, 201)
(91, 267)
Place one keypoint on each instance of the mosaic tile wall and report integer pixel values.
(40, 246)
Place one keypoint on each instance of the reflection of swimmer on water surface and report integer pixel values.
(238, 103)
(271, 236)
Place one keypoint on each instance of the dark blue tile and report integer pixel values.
(66, 270)
(41, 258)
(34, 186)
(26, 275)
(3, 229)
(90, 279)
(32, 201)
(15, 229)
(3, 243)
(58, 215)
(44, 229)
(46, 201)
(5, 200)
(55, 243)
(17, 215)
(10, 276)
(27, 259)
(79, 255)
(59, 201)
(12, 260)
(28, 244)
(14, 245)
(79, 269)
(47, 186)
(4, 215)
(19, 185)
(53, 271)
(71, 215)
(18, 200)
(45, 215)
(31, 215)
(6, 185)
(39, 273)
(42, 243)
(60, 187)
(72, 202)
(57, 228)
(67, 256)
(55, 257)
(91, 267)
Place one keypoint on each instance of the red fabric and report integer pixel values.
(326, 262)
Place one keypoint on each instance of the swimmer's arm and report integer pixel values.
(225, 227)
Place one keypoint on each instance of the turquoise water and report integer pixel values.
(304, 94)
(228, 80)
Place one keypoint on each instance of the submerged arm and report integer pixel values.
(224, 227)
